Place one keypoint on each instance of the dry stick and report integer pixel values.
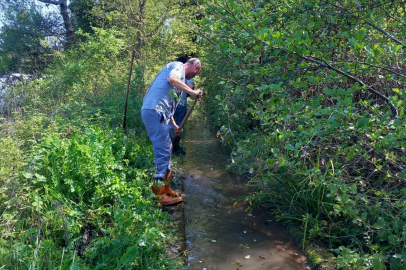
(187, 115)
(180, 253)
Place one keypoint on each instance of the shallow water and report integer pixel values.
(220, 233)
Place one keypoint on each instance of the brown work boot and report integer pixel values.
(168, 189)
(165, 200)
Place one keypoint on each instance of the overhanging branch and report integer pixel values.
(52, 2)
(320, 62)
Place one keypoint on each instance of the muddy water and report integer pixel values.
(220, 233)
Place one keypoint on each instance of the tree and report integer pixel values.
(84, 15)
(27, 37)
(67, 22)
(311, 96)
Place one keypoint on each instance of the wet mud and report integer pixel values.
(220, 233)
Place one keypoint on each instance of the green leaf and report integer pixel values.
(289, 147)
(129, 255)
(364, 216)
(377, 264)
(40, 178)
(362, 122)
(392, 238)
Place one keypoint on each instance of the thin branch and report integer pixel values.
(60, 2)
(325, 64)
(392, 17)
(319, 62)
(368, 22)
(375, 66)
(384, 32)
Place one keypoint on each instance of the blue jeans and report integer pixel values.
(157, 128)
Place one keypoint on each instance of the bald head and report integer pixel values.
(194, 62)
(192, 68)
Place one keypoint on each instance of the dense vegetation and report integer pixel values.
(309, 94)
(75, 186)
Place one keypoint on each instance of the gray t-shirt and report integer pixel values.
(161, 95)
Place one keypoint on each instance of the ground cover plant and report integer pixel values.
(82, 203)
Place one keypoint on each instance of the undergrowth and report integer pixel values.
(83, 201)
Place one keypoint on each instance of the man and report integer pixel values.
(157, 111)
(179, 114)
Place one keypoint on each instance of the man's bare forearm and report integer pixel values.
(175, 82)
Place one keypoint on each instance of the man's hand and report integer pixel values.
(177, 130)
(199, 94)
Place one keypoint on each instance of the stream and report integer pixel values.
(220, 234)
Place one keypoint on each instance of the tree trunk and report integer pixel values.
(70, 32)
(67, 22)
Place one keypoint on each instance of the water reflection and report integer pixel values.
(220, 234)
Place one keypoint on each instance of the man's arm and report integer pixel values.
(175, 82)
(175, 126)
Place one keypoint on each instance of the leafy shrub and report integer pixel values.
(308, 97)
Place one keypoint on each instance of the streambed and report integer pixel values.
(220, 234)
